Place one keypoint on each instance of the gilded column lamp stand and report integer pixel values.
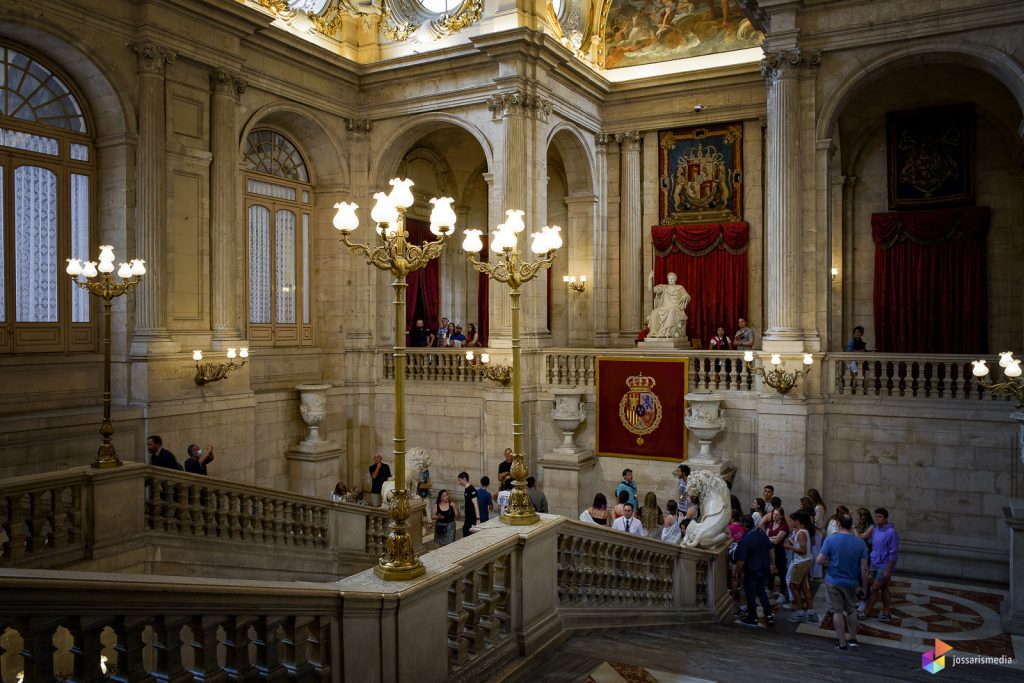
(394, 254)
(108, 289)
(502, 374)
(778, 378)
(510, 268)
(215, 372)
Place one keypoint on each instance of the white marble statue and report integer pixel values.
(668, 319)
(712, 527)
(417, 461)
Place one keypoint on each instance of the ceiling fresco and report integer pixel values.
(646, 31)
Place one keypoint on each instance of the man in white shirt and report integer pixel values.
(628, 523)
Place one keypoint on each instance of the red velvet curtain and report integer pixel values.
(710, 261)
(930, 277)
(483, 284)
(423, 284)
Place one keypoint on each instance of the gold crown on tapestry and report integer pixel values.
(702, 154)
(640, 382)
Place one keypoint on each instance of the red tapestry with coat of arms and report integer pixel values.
(641, 407)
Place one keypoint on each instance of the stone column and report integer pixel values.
(151, 209)
(630, 238)
(224, 251)
(579, 260)
(783, 265)
(599, 284)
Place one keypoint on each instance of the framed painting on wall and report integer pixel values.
(930, 157)
(701, 174)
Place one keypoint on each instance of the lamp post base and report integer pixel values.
(520, 519)
(397, 572)
(106, 457)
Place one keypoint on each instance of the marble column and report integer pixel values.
(783, 265)
(224, 245)
(151, 209)
(599, 284)
(630, 238)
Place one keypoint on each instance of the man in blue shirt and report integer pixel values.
(628, 485)
(846, 577)
(484, 499)
(755, 562)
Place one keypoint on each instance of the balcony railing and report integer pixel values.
(919, 376)
(709, 370)
(439, 365)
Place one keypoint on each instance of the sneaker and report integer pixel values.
(811, 617)
(841, 647)
(798, 616)
(780, 599)
(748, 623)
(853, 644)
(885, 617)
(769, 620)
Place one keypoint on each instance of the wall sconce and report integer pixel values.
(215, 372)
(502, 374)
(574, 283)
(835, 273)
(1013, 387)
(778, 379)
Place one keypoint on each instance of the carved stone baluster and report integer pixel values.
(130, 647)
(234, 515)
(35, 540)
(150, 495)
(457, 616)
(279, 522)
(320, 649)
(487, 598)
(267, 661)
(236, 645)
(87, 646)
(168, 649)
(15, 528)
(59, 517)
(296, 647)
(38, 648)
(204, 647)
(75, 514)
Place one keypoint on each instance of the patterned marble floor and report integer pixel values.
(617, 672)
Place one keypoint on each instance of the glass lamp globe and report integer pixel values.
(401, 195)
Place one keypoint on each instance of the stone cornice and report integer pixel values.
(786, 63)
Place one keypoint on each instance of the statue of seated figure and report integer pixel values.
(668, 319)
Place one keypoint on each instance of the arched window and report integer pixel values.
(279, 210)
(47, 184)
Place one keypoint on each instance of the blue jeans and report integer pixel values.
(753, 588)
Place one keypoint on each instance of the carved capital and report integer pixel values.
(787, 63)
(152, 58)
(518, 103)
(602, 140)
(224, 82)
(358, 128)
(630, 140)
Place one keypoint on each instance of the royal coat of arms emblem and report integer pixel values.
(640, 410)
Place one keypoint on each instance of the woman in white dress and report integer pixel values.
(672, 531)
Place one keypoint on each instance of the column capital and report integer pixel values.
(601, 140)
(228, 83)
(358, 128)
(152, 58)
(632, 139)
(786, 63)
(518, 103)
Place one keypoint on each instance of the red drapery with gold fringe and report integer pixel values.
(710, 261)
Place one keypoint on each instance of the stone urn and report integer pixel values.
(705, 421)
(569, 412)
(313, 406)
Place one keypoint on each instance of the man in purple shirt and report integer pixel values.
(885, 548)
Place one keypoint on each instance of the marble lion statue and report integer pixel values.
(417, 463)
(711, 528)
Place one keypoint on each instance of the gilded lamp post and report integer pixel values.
(394, 254)
(107, 289)
(512, 270)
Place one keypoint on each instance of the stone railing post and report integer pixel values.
(116, 506)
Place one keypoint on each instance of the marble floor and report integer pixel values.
(964, 617)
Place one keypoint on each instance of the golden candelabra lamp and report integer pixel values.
(1012, 387)
(108, 289)
(215, 372)
(510, 268)
(394, 254)
(777, 378)
(576, 284)
(502, 374)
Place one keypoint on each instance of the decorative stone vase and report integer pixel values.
(705, 421)
(313, 406)
(569, 413)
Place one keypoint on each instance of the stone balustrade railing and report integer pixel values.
(709, 370)
(906, 376)
(484, 606)
(42, 518)
(84, 516)
(439, 365)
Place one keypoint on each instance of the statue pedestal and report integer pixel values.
(568, 475)
(1013, 609)
(665, 343)
(313, 468)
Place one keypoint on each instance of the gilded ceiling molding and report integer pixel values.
(392, 28)
(468, 14)
(785, 63)
(518, 103)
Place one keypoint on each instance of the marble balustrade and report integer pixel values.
(945, 377)
(442, 365)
